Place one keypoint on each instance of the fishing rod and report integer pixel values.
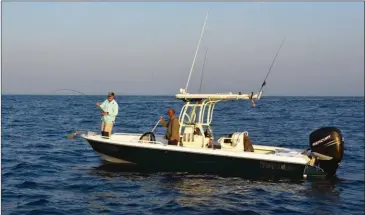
(155, 126)
(74, 91)
(201, 80)
(264, 83)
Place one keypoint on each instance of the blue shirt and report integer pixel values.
(111, 108)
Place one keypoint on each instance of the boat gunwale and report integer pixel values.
(215, 152)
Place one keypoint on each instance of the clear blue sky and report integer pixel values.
(148, 48)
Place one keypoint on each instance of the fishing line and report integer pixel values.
(75, 133)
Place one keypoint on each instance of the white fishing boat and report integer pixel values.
(200, 151)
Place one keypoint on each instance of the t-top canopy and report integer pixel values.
(218, 96)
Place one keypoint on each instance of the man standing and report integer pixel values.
(109, 110)
(173, 127)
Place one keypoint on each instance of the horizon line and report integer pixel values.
(118, 95)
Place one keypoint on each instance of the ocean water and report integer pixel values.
(43, 172)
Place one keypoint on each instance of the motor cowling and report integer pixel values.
(328, 141)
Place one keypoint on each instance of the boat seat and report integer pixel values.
(188, 135)
(237, 141)
(247, 145)
(190, 138)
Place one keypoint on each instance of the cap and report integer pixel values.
(110, 94)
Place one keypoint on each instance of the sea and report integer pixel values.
(43, 172)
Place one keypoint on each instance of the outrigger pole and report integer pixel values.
(264, 83)
(196, 52)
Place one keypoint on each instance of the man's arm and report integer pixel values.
(115, 110)
(101, 106)
(163, 123)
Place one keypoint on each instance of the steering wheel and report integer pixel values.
(148, 136)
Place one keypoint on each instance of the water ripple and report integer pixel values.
(45, 173)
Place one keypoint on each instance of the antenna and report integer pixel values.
(196, 52)
(201, 80)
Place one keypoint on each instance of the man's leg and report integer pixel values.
(102, 128)
(173, 142)
(108, 128)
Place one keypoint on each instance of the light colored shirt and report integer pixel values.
(111, 108)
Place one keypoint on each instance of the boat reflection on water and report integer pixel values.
(200, 190)
(325, 190)
(108, 170)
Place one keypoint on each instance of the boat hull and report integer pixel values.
(164, 160)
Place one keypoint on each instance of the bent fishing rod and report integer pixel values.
(75, 91)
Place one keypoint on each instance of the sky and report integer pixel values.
(148, 48)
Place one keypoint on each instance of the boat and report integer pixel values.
(200, 151)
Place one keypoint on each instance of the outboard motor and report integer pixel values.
(327, 141)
